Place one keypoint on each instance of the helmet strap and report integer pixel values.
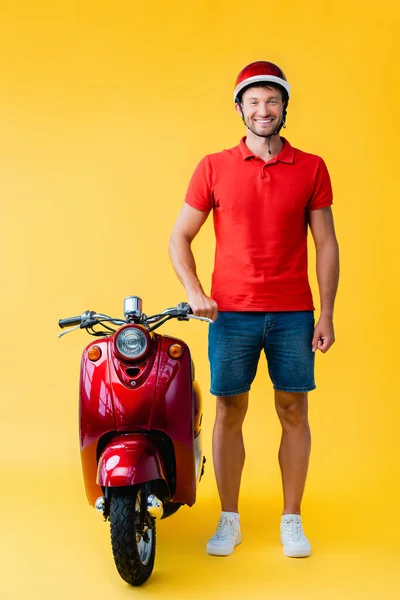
(241, 110)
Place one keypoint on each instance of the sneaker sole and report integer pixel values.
(222, 551)
(298, 553)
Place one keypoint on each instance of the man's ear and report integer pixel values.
(238, 109)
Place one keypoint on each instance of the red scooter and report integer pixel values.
(140, 428)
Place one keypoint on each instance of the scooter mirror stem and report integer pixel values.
(133, 308)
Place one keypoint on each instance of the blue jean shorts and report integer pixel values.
(235, 341)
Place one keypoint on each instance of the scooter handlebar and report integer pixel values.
(182, 312)
(184, 306)
(70, 321)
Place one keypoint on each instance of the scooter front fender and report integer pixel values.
(129, 460)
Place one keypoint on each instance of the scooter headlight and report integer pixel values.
(132, 342)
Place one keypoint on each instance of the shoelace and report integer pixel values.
(294, 529)
(226, 528)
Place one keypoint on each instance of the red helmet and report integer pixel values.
(260, 71)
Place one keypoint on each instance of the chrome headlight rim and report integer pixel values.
(137, 356)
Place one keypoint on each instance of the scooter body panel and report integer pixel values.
(133, 397)
(96, 401)
(173, 414)
(162, 400)
(130, 460)
(96, 413)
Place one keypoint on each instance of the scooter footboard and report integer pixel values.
(130, 460)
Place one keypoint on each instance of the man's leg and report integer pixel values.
(288, 348)
(294, 451)
(235, 342)
(228, 448)
(228, 455)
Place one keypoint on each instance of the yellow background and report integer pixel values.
(105, 110)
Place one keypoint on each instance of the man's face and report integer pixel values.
(262, 109)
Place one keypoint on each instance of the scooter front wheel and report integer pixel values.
(133, 545)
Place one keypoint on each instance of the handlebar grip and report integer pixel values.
(70, 322)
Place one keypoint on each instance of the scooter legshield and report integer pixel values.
(129, 460)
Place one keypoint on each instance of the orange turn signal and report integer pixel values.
(94, 353)
(175, 351)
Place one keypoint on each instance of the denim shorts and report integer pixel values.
(235, 341)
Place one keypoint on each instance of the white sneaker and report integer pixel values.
(295, 543)
(227, 535)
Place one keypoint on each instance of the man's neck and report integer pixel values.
(259, 145)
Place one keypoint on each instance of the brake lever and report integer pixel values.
(205, 319)
(69, 330)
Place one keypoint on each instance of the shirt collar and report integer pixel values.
(285, 155)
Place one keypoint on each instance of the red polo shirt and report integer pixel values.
(260, 220)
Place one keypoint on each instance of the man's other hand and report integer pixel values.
(324, 335)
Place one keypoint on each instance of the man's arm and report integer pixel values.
(187, 225)
(327, 252)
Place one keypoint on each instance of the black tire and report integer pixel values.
(133, 555)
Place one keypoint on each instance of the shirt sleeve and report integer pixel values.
(199, 193)
(322, 191)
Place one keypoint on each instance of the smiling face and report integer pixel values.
(262, 109)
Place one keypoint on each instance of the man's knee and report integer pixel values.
(231, 410)
(292, 408)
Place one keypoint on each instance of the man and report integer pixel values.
(264, 194)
